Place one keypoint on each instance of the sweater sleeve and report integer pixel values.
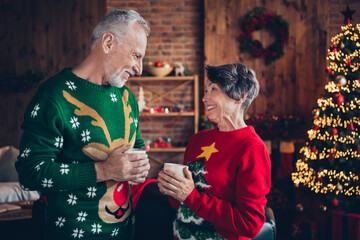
(139, 142)
(246, 215)
(39, 164)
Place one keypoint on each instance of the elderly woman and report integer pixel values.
(222, 195)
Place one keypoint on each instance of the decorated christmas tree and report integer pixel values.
(330, 166)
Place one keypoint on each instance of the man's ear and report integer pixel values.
(108, 42)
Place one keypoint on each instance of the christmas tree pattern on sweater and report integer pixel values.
(188, 225)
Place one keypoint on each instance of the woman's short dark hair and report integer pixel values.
(235, 80)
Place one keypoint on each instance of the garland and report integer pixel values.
(258, 19)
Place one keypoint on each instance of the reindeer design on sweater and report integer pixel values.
(115, 205)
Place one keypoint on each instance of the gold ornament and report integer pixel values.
(342, 45)
(339, 186)
(323, 208)
(340, 81)
(299, 207)
(316, 113)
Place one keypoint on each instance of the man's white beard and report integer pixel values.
(113, 76)
(116, 80)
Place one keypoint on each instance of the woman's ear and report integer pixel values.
(241, 100)
(108, 42)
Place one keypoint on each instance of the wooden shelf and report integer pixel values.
(166, 95)
(169, 78)
(172, 149)
(182, 81)
(170, 114)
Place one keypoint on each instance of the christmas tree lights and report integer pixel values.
(331, 155)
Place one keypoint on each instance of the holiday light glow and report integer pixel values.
(331, 155)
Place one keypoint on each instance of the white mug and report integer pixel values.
(135, 150)
(178, 169)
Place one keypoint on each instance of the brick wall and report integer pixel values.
(177, 30)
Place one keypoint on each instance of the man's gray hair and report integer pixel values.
(118, 23)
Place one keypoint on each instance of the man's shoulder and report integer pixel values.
(53, 84)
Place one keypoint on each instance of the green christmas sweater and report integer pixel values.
(232, 175)
(69, 124)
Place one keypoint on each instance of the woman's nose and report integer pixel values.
(204, 98)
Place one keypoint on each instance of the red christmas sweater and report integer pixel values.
(231, 171)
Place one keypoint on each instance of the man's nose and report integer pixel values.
(138, 68)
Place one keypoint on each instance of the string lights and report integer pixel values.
(331, 155)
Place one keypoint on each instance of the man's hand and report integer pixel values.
(121, 166)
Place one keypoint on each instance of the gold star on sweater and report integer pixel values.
(207, 151)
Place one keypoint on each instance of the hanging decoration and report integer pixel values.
(259, 19)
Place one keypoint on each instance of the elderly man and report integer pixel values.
(77, 129)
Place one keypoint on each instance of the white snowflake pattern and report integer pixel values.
(85, 136)
(37, 167)
(78, 233)
(25, 153)
(113, 97)
(34, 112)
(75, 123)
(60, 222)
(71, 85)
(136, 121)
(59, 141)
(72, 199)
(91, 192)
(47, 183)
(25, 188)
(64, 168)
(96, 228)
(115, 232)
(82, 216)
(133, 220)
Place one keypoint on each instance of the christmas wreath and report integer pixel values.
(258, 19)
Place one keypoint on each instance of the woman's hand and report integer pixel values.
(174, 186)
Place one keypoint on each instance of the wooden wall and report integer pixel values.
(40, 35)
(292, 84)
(49, 35)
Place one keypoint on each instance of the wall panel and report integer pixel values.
(292, 84)
(40, 35)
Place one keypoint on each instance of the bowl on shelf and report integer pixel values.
(158, 71)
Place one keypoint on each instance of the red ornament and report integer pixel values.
(313, 149)
(335, 202)
(348, 62)
(334, 49)
(319, 179)
(332, 155)
(339, 99)
(158, 64)
(328, 70)
(351, 126)
(358, 150)
(316, 127)
(334, 131)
